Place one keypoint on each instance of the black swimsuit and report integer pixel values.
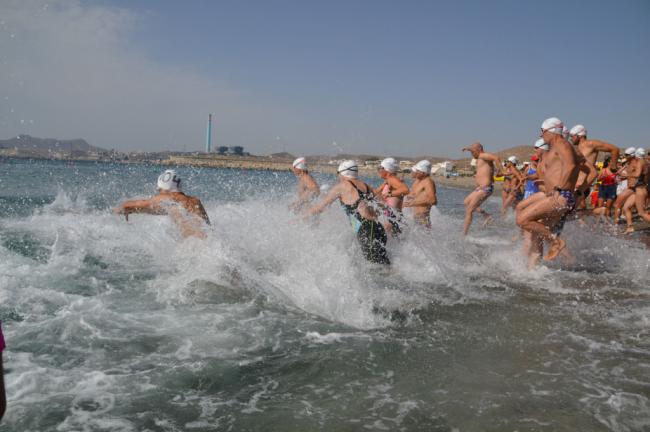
(370, 234)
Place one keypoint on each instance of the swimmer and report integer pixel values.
(307, 189)
(561, 171)
(186, 211)
(589, 148)
(485, 169)
(3, 396)
(392, 192)
(640, 188)
(512, 181)
(632, 171)
(423, 193)
(357, 200)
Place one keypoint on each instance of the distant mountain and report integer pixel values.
(282, 155)
(45, 146)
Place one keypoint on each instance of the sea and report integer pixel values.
(274, 323)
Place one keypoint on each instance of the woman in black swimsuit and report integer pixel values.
(355, 197)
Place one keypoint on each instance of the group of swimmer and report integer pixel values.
(555, 185)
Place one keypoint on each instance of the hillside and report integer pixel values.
(47, 146)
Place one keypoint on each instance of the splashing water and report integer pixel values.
(274, 324)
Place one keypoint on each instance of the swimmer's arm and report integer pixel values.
(377, 191)
(201, 212)
(399, 189)
(328, 199)
(139, 206)
(426, 196)
(606, 147)
(494, 159)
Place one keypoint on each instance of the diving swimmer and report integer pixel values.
(357, 199)
(485, 168)
(423, 193)
(307, 189)
(186, 211)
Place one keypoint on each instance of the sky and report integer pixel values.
(319, 77)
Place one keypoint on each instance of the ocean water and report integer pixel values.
(271, 324)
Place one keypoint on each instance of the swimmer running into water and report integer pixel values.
(392, 193)
(186, 211)
(561, 171)
(485, 163)
(307, 190)
(356, 198)
(423, 193)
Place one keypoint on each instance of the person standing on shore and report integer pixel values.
(512, 181)
(307, 189)
(392, 192)
(357, 199)
(423, 193)
(640, 191)
(186, 211)
(632, 172)
(561, 171)
(485, 169)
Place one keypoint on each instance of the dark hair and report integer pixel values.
(607, 161)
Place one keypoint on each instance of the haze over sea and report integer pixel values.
(274, 325)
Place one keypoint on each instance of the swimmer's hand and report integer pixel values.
(121, 211)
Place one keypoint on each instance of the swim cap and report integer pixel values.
(512, 159)
(630, 151)
(300, 163)
(169, 181)
(390, 165)
(640, 153)
(348, 168)
(541, 144)
(578, 130)
(565, 132)
(424, 166)
(552, 125)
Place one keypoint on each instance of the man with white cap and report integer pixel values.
(485, 169)
(560, 176)
(392, 192)
(307, 189)
(423, 193)
(357, 200)
(632, 171)
(589, 148)
(512, 181)
(639, 188)
(186, 211)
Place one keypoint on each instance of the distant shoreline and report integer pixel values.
(254, 163)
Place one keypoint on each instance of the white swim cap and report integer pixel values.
(424, 166)
(578, 130)
(348, 168)
(300, 163)
(169, 181)
(513, 159)
(390, 165)
(552, 125)
(565, 132)
(640, 153)
(630, 151)
(541, 144)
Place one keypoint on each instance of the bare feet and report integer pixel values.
(488, 219)
(556, 247)
(629, 230)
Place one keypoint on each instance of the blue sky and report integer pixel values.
(400, 78)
